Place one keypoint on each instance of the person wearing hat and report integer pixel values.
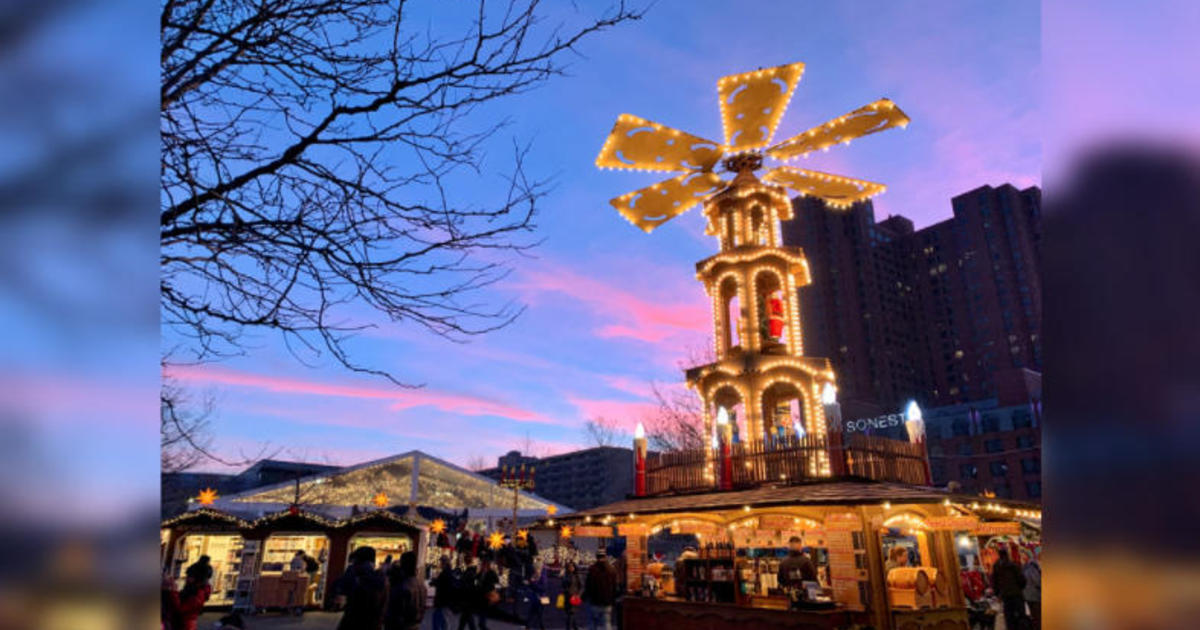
(797, 568)
(600, 592)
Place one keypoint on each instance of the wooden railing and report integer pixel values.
(790, 460)
(884, 459)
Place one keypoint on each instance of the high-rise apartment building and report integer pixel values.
(926, 314)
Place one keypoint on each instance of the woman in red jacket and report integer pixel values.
(184, 607)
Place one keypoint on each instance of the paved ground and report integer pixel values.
(328, 621)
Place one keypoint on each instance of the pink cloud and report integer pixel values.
(652, 319)
(626, 413)
(401, 399)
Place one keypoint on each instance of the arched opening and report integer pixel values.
(758, 227)
(772, 312)
(729, 399)
(731, 313)
(728, 231)
(783, 413)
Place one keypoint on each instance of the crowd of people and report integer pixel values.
(468, 589)
(1010, 592)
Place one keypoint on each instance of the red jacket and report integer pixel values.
(185, 612)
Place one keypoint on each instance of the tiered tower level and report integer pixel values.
(760, 382)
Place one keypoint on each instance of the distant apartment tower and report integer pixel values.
(930, 314)
(580, 479)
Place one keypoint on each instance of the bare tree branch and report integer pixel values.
(601, 432)
(677, 423)
(311, 155)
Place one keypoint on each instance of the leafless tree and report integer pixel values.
(600, 431)
(315, 155)
(310, 150)
(476, 463)
(678, 421)
(186, 439)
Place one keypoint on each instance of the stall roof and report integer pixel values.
(412, 478)
(821, 493)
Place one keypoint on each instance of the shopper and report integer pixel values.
(489, 596)
(406, 595)
(445, 588)
(600, 591)
(1033, 590)
(1009, 585)
(572, 588)
(537, 589)
(366, 591)
(467, 596)
(186, 605)
(312, 567)
(201, 570)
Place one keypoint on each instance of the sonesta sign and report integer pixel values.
(878, 422)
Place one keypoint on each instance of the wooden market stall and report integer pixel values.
(850, 525)
(251, 559)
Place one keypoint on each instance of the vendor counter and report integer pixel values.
(642, 612)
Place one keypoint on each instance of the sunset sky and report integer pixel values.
(610, 309)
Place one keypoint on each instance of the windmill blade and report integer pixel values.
(836, 190)
(652, 206)
(752, 104)
(639, 144)
(875, 117)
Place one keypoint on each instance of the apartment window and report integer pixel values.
(968, 471)
(1025, 441)
(993, 446)
(1033, 488)
(1022, 419)
(1031, 465)
(990, 423)
(964, 448)
(962, 427)
(999, 469)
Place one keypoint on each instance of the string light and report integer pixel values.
(752, 111)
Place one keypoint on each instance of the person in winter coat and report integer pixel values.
(366, 592)
(1009, 585)
(445, 588)
(186, 605)
(537, 590)
(406, 595)
(468, 598)
(201, 570)
(600, 592)
(1033, 590)
(797, 568)
(572, 587)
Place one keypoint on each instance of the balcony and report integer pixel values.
(786, 461)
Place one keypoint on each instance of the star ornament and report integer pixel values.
(380, 499)
(496, 540)
(523, 534)
(551, 510)
(206, 496)
(565, 532)
(438, 526)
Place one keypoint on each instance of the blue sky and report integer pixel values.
(610, 309)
